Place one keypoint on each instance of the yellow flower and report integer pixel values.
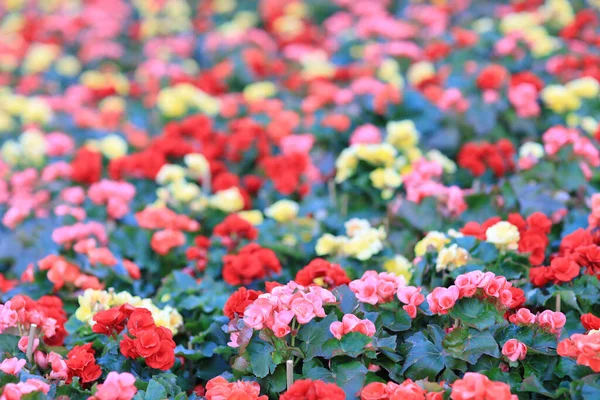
(254, 217)
(223, 6)
(170, 173)
(447, 164)
(413, 154)
(317, 65)
(400, 266)
(259, 91)
(39, 58)
(184, 192)
(402, 134)
(113, 104)
(586, 87)
(229, 200)
(329, 244)
(382, 154)
(531, 150)
(434, 239)
(559, 99)
(6, 122)
(385, 179)
(364, 245)
(355, 226)
(113, 146)
(36, 111)
(283, 210)
(559, 11)
(504, 235)
(197, 165)
(171, 104)
(346, 164)
(33, 146)
(68, 66)
(521, 21)
(588, 124)
(419, 72)
(389, 71)
(450, 258)
(11, 152)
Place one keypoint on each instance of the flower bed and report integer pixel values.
(299, 199)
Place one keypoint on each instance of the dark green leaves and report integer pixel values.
(313, 335)
(470, 344)
(423, 359)
(476, 313)
(260, 356)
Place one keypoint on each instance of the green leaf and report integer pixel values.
(155, 391)
(470, 344)
(354, 343)
(8, 344)
(350, 376)
(423, 359)
(398, 321)
(532, 384)
(346, 297)
(261, 359)
(476, 313)
(313, 335)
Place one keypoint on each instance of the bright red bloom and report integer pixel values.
(492, 77)
(323, 273)
(590, 322)
(238, 301)
(109, 321)
(82, 363)
(235, 228)
(306, 389)
(252, 263)
(86, 166)
(477, 157)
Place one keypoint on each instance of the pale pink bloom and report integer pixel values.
(12, 366)
(117, 386)
(441, 300)
(514, 350)
(366, 134)
(74, 195)
(24, 342)
(59, 144)
(553, 320)
(60, 370)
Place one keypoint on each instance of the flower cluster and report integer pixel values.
(583, 348)
(93, 301)
(553, 321)
(220, 389)
(484, 285)
(394, 391)
(251, 263)
(478, 157)
(351, 323)
(362, 241)
(478, 386)
(277, 309)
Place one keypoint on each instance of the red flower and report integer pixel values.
(81, 363)
(86, 166)
(238, 301)
(109, 321)
(330, 275)
(590, 322)
(540, 276)
(164, 357)
(572, 241)
(306, 389)
(476, 157)
(140, 320)
(492, 77)
(589, 257)
(564, 269)
(251, 263)
(146, 343)
(235, 228)
(52, 306)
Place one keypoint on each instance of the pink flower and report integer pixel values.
(514, 350)
(12, 366)
(303, 309)
(8, 316)
(366, 134)
(552, 320)
(441, 300)
(24, 341)
(165, 240)
(117, 387)
(60, 371)
(351, 323)
(365, 290)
